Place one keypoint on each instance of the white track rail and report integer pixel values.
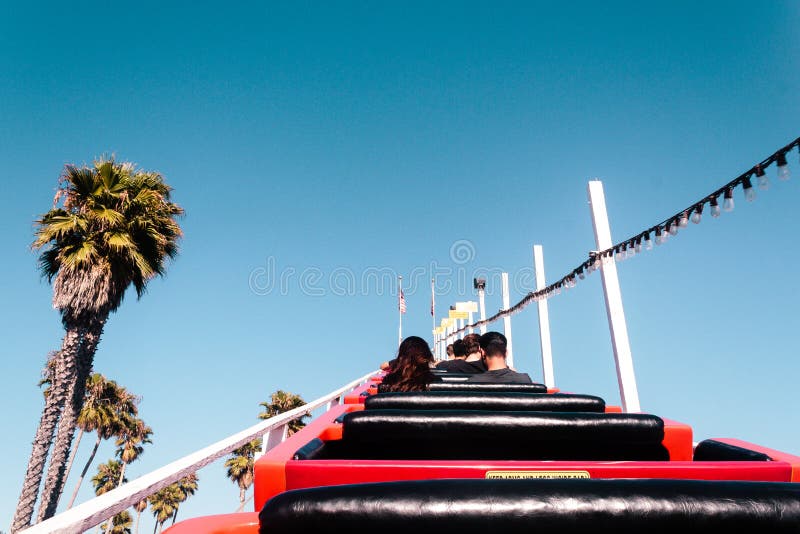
(97, 510)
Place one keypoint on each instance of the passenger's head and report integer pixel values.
(414, 350)
(472, 343)
(493, 345)
(412, 372)
(450, 350)
(459, 349)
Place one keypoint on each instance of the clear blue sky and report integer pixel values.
(351, 137)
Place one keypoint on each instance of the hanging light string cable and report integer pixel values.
(661, 231)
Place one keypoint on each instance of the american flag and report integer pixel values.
(402, 304)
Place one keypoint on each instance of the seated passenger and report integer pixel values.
(458, 364)
(493, 347)
(412, 372)
(450, 352)
(474, 357)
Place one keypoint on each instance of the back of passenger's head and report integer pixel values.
(459, 349)
(472, 343)
(414, 350)
(493, 344)
(450, 349)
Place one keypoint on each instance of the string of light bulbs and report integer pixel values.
(661, 232)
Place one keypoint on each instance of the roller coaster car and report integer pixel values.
(486, 435)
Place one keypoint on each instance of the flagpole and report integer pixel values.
(433, 312)
(399, 311)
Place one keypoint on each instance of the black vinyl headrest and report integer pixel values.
(710, 450)
(476, 506)
(382, 425)
(473, 386)
(507, 435)
(491, 401)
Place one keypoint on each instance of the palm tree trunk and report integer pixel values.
(79, 363)
(136, 525)
(72, 456)
(54, 403)
(242, 495)
(83, 473)
(175, 515)
(121, 473)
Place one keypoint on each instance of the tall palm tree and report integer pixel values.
(133, 433)
(104, 405)
(280, 402)
(112, 226)
(240, 468)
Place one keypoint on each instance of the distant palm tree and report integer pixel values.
(164, 503)
(120, 524)
(112, 226)
(133, 433)
(281, 402)
(104, 406)
(187, 486)
(140, 507)
(107, 477)
(240, 468)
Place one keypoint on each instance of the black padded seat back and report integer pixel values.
(476, 506)
(716, 451)
(490, 401)
(481, 435)
(473, 386)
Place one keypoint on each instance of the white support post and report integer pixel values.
(460, 326)
(507, 321)
(616, 315)
(544, 319)
(482, 302)
(470, 329)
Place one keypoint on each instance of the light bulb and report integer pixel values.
(659, 237)
(715, 211)
(763, 180)
(697, 214)
(631, 249)
(620, 255)
(749, 192)
(673, 228)
(648, 243)
(727, 202)
(783, 168)
(683, 222)
(638, 246)
(581, 274)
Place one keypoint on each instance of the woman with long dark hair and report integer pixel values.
(412, 370)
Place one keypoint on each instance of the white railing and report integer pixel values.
(97, 510)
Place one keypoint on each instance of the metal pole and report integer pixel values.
(399, 311)
(480, 285)
(616, 315)
(507, 321)
(433, 311)
(544, 319)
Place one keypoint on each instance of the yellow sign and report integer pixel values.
(458, 314)
(439, 330)
(446, 323)
(512, 475)
(470, 306)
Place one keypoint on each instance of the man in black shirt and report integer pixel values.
(458, 364)
(493, 347)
